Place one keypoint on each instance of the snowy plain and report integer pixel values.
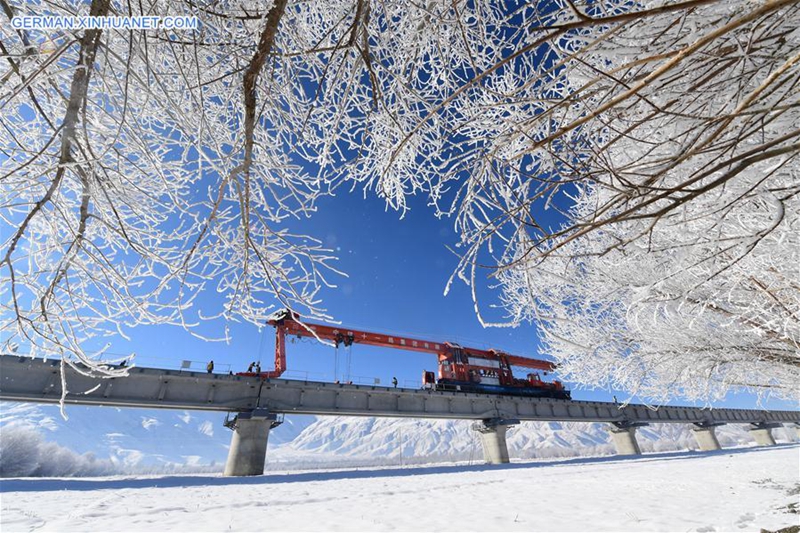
(742, 489)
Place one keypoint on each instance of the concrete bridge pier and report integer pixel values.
(706, 436)
(624, 436)
(493, 438)
(248, 450)
(761, 432)
(797, 430)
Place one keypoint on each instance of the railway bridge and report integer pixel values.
(259, 403)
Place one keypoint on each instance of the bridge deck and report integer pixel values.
(35, 380)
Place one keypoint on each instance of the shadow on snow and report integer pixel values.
(173, 481)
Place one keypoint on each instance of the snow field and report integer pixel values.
(731, 490)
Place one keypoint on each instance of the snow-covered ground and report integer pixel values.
(741, 489)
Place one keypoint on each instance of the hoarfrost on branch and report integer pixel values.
(627, 172)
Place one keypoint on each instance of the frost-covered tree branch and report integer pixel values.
(645, 145)
(130, 188)
(674, 270)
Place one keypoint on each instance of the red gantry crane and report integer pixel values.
(460, 368)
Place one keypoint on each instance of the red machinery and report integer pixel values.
(460, 368)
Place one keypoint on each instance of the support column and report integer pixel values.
(762, 433)
(624, 436)
(789, 430)
(493, 438)
(706, 436)
(248, 450)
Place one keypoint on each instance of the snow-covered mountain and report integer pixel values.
(153, 438)
(411, 439)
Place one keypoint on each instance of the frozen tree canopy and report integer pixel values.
(628, 172)
(677, 271)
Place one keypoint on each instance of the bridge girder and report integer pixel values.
(35, 380)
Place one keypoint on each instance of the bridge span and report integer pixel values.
(259, 402)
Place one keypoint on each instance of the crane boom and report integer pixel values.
(286, 323)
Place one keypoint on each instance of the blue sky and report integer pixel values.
(398, 269)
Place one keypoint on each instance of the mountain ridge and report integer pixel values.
(152, 437)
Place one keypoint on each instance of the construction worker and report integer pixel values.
(394, 382)
(258, 367)
(250, 368)
(210, 366)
